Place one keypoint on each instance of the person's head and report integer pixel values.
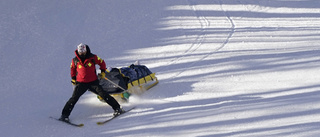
(82, 49)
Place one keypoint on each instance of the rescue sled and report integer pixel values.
(122, 82)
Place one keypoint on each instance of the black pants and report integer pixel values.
(81, 88)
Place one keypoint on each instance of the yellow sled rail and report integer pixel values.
(143, 81)
(138, 86)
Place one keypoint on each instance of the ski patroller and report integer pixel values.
(99, 123)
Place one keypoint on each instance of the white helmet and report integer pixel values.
(82, 48)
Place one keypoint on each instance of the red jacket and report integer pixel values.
(85, 71)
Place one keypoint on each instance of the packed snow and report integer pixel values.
(225, 68)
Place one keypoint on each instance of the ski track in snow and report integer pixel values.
(232, 27)
(204, 24)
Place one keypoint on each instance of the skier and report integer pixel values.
(83, 75)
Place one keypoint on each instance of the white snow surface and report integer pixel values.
(226, 67)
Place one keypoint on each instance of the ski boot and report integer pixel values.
(64, 118)
(118, 112)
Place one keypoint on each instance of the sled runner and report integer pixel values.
(122, 82)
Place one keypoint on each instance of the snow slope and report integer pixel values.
(226, 68)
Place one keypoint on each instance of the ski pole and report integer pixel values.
(115, 84)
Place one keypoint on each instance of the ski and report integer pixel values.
(108, 120)
(68, 122)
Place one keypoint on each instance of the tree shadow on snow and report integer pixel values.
(182, 111)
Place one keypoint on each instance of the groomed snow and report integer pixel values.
(226, 68)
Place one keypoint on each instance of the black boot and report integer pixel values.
(64, 118)
(118, 112)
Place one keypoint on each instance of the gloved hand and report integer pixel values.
(73, 81)
(103, 74)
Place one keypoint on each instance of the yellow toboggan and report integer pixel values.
(135, 87)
